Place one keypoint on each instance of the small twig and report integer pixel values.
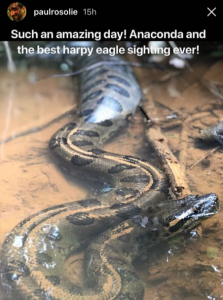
(177, 178)
(158, 141)
(37, 128)
(103, 63)
(161, 80)
(144, 114)
(11, 65)
(206, 155)
(184, 137)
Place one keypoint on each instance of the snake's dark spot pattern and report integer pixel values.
(94, 75)
(88, 133)
(69, 126)
(64, 140)
(60, 140)
(111, 103)
(94, 84)
(40, 293)
(82, 143)
(129, 276)
(56, 142)
(127, 211)
(118, 205)
(119, 168)
(137, 219)
(92, 96)
(127, 192)
(80, 219)
(55, 280)
(80, 161)
(117, 89)
(87, 112)
(120, 80)
(116, 261)
(89, 202)
(46, 210)
(131, 159)
(53, 143)
(43, 258)
(34, 224)
(106, 123)
(75, 290)
(136, 178)
(120, 228)
(178, 225)
(16, 269)
(97, 151)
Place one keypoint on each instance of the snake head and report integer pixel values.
(182, 215)
(168, 218)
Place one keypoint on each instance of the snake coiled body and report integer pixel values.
(111, 225)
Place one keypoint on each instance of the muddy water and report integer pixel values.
(189, 266)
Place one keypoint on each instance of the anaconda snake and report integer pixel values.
(115, 226)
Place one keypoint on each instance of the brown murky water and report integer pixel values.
(188, 267)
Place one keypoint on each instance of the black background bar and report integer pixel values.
(162, 17)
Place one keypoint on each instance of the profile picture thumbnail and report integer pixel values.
(16, 11)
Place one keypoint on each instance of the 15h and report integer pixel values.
(90, 11)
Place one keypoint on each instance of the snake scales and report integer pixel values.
(116, 226)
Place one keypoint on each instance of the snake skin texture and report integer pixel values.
(114, 227)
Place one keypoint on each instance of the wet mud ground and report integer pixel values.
(186, 267)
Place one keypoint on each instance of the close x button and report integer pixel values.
(211, 12)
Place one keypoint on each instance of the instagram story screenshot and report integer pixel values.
(111, 147)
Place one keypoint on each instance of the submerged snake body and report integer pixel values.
(34, 253)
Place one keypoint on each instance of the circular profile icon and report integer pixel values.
(16, 11)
